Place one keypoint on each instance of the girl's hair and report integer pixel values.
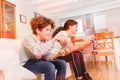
(57, 30)
(40, 22)
(69, 22)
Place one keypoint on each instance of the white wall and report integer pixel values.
(22, 29)
(26, 9)
(100, 22)
(112, 18)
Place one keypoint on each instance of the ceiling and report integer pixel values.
(61, 8)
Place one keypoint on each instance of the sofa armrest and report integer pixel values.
(10, 65)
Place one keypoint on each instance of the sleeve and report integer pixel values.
(33, 48)
(56, 48)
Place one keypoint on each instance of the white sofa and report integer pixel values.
(10, 64)
(9, 61)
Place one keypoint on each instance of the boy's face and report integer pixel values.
(45, 33)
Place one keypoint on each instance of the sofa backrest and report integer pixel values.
(10, 44)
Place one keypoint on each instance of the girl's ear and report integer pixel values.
(70, 27)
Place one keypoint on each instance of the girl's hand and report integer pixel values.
(84, 44)
(62, 40)
(63, 52)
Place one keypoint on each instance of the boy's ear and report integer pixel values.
(37, 30)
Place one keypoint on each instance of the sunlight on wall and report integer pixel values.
(100, 22)
(80, 27)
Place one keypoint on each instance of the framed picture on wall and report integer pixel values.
(23, 19)
(88, 24)
(37, 14)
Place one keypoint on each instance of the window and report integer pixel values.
(80, 27)
(100, 22)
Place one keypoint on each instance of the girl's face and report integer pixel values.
(44, 34)
(73, 29)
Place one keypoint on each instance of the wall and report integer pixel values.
(26, 9)
(112, 18)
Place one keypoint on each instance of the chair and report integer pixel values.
(103, 46)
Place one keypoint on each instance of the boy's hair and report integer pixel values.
(40, 22)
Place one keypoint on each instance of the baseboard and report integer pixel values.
(102, 62)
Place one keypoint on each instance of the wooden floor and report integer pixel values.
(103, 73)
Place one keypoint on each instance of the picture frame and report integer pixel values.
(37, 14)
(23, 19)
(88, 24)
